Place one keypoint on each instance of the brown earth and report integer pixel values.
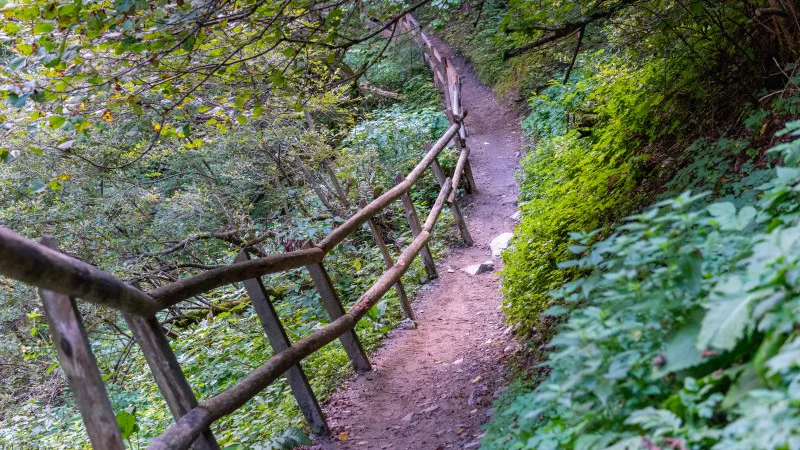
(432, 387)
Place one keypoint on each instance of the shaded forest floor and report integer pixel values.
(433, 386)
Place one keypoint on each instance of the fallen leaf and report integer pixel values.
(478, 378)
(343, 436)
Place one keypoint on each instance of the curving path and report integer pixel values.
(433, 386)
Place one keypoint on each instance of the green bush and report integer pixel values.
(571, 182)
(683, 332)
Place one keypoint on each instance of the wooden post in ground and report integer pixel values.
(279, 342)
(445, 84)
(149, 334)
(469, 181)
(387, 259)
(472, 188)
(79, 365)
(333, 305)
(416, 229)
(454, 208)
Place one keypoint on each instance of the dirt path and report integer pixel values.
(432, 387)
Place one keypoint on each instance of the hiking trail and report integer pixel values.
(432, 387)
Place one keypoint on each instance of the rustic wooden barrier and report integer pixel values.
(60, 279)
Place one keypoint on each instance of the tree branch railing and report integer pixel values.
(61, 279)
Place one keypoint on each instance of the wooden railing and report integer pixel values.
(61, 279)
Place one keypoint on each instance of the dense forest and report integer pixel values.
(651, 278)
(122, 142)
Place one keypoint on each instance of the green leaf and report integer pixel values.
(126, 420)
(680, 351)
(54, 185)
(722, 211)
(555, 311)
(17, 101)
(728, 315)
(56, 121)
(42, 28)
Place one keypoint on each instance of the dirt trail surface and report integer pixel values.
(432, 387)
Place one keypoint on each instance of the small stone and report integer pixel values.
(508, 349)
(516, 216)
(408, 324)
(408, 418)
(450, 270)
(430, 409)
(475, 444)
(500, 243)
(458, 361)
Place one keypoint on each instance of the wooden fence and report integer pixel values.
(61, 279)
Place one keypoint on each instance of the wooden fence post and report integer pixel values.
(387, 259)
(79, 365)
(469, 181)
(454, 208)
(472, 188)
(168, 374)
(333, 305)
(445, 82)
(279, 342)
(416, 229)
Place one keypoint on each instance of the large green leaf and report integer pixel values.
(728, 315)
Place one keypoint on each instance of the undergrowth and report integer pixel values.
(681, 334)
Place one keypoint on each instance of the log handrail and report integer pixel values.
(181, 434)
(57, 274)
(24, 259)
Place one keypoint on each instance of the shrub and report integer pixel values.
(682, 333)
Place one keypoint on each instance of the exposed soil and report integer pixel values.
(432, 387)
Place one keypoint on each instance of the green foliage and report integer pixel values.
(569, 182)
(682, 331)
(205, 190)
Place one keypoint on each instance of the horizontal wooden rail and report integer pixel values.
(33, 263)
(180, 290)
(181, 434)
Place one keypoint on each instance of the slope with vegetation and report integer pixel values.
(156, 140)
(673, 327)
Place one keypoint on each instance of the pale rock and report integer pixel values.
(430, 409)
(477, 269)
(500, 243)
(516, 216)
(408, 418)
